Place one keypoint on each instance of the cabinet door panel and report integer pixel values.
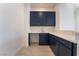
(43, 39)
(34, 19)
(56, 50)
(66, 43)
(43, 19)
(52, 40)
(64, 51)
(50, 18)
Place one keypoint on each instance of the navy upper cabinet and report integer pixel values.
(34, 19)
(43, 18)
(50, 18)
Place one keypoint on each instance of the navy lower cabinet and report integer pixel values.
(74, 49)
(62, 47)
(59, 46)
(43, 38)
(52, 40)
(63, 51)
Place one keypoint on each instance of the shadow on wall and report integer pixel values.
(10, 46)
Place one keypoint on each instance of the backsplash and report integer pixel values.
(39, 29)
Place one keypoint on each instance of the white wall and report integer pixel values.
(11, 28)
(27, 21)
(66, 16)
(77, 19)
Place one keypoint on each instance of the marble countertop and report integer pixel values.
(70, 36)
(67, 35)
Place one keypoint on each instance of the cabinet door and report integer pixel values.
(64, 51)
(43, 19)
(50, 19)
(63, 48)
(54, 45)
(35, 19)
(52, 40)
(43, 39)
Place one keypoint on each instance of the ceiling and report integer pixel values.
(43, 5)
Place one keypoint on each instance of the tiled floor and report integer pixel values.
(35, 51)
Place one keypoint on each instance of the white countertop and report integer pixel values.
(70, 36)
(67, 35)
